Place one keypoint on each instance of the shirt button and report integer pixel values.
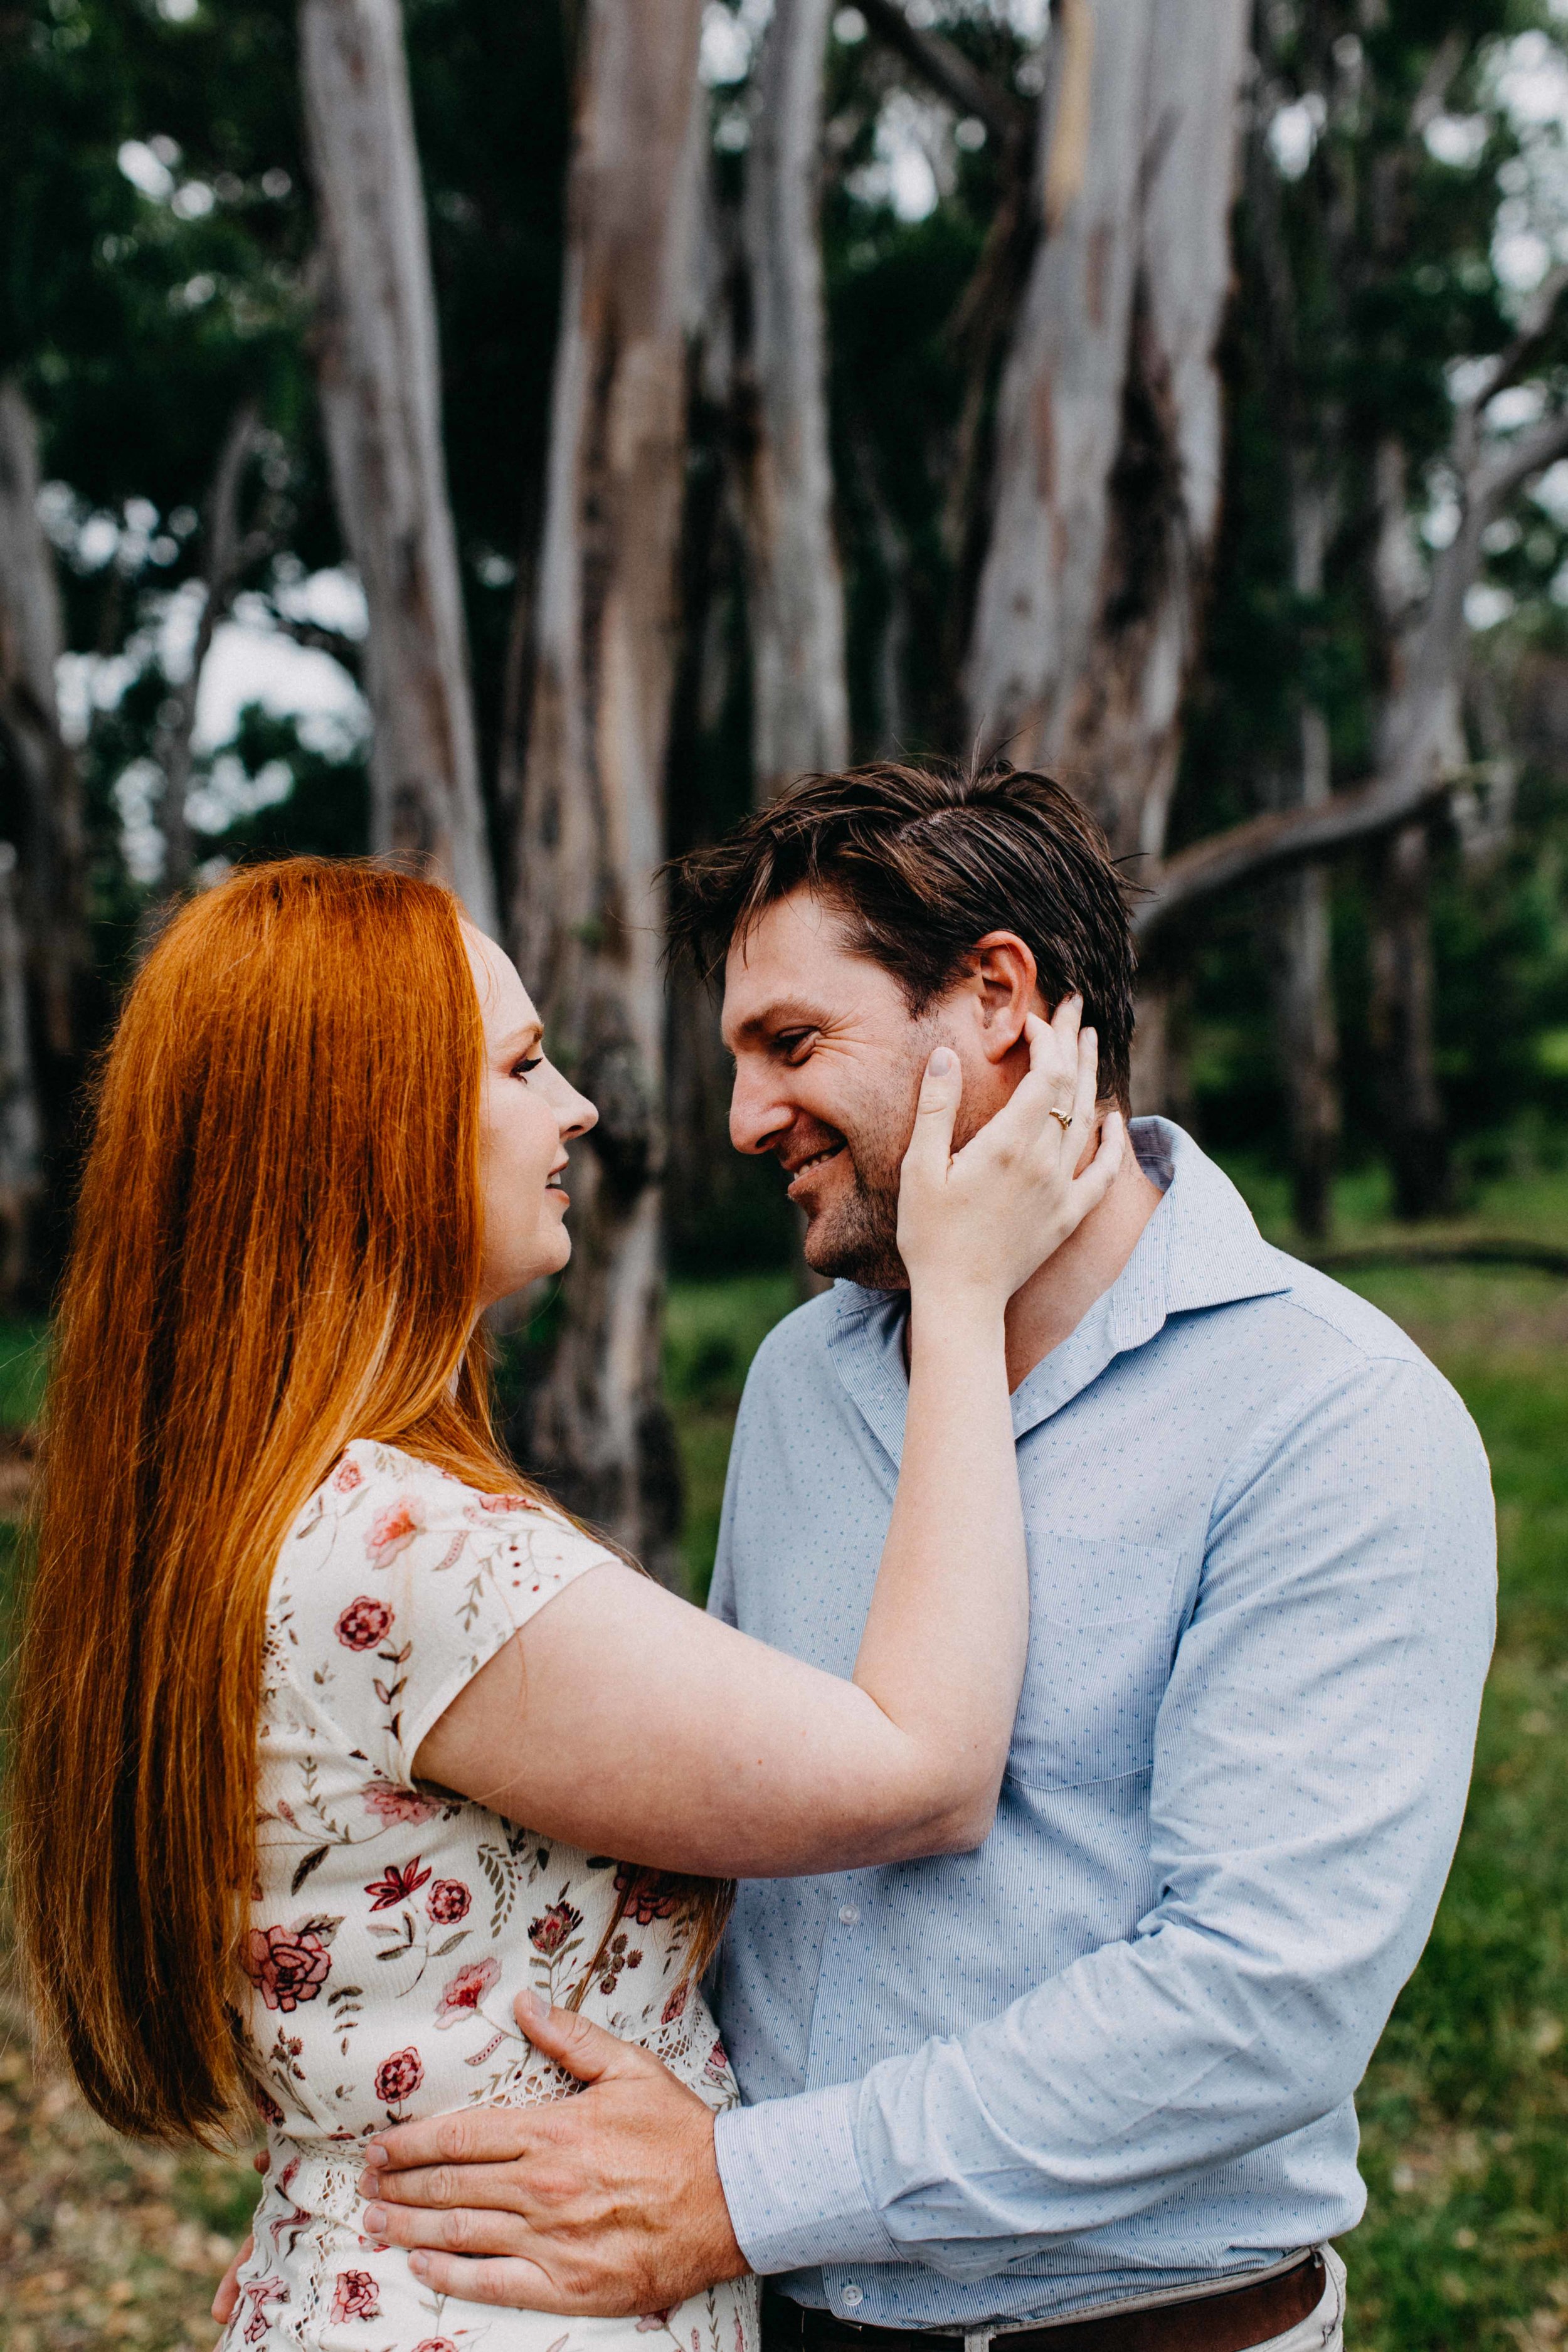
(849, 1913)
(852, 2295)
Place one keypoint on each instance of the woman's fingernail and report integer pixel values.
(530, 2004)
(374, 2220)
(944, 1061)
(375, 2155)
(419, 2264)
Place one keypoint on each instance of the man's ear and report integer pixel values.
(1006, 981)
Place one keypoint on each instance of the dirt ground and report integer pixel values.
(102, 2241)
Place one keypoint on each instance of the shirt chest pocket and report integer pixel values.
(1101, 1639)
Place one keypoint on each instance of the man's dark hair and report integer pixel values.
(923, 863)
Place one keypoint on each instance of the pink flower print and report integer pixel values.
(652, 2322)
(462, 1994)
(716, 2064)
(267, 2106)
(401, 1808)
(675, 2004)
(398, 2077)
(393, 1529)
(436, 2344)
(504, 1503)
(355, 2296)
(347, 1476)
(258, 2294)
(396, 1885)
(364, 1623)
(285, 1966)
(551, 1928)
(447, 1902)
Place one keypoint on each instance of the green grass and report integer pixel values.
(1465, 2109)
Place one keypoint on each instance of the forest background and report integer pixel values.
(521, 437)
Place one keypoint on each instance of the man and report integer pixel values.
(1093, 2082)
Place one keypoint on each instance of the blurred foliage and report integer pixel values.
(155, 240)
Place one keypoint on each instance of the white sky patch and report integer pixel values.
(1293, 133)
(1526, 78)
(249, 661)
(332, 600)
(1486, 604)
(1551, 493)
(731, 38)
(249, 664)
(229, 792)
(912, 166)
(1458, 140)
(146, 170)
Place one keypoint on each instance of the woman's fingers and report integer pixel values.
(931, 1144)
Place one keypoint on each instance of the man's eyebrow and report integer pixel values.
(784, 1013)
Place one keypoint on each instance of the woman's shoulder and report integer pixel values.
(384, 1507)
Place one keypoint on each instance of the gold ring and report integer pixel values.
(1065, 1117)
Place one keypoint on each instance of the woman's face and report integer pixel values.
(527, 1115)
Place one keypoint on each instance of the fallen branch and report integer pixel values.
(1529, 1257)
(1285, 838)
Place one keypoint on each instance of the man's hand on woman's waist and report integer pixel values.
(607, 2205)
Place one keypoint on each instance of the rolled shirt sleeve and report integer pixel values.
(1312, 1758)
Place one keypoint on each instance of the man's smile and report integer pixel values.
(798, 1170)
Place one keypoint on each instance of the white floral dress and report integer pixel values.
(391, 1927)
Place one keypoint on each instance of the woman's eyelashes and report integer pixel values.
(519, 1069)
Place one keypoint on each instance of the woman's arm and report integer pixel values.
(624, 1720)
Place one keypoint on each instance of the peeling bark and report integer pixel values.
(586, 916)
(50, 828)
(47, 991)
(1107, 472)
(379, 375)
(800, 697)
(225, 558)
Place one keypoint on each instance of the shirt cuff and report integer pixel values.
(792, 2181)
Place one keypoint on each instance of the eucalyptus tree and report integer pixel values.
(584, 911)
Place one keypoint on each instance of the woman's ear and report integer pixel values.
(1007, 983)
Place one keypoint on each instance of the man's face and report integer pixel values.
(828, 1062)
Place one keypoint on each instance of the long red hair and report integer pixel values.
(278, 1249)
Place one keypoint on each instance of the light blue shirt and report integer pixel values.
(1114, 2051)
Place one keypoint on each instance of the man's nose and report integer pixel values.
(758, 1115)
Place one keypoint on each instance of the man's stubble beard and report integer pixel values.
(857, 1240)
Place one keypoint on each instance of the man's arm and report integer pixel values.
(1311, 1760)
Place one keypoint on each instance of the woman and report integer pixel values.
(302, 1651)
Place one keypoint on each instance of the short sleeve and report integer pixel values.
(398, 1583)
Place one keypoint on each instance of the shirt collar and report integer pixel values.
(1201, 1248)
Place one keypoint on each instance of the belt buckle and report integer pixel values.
(978, 2339)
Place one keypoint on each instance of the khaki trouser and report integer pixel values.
(1322, 2330)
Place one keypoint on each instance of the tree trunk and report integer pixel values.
(800, 702)
(379, 372)
(1105, 483)
(586, 914)
(47, 993)
(49, 829)
(1295, 911)
(225, 556)
(1402, 989)
(1422, 709)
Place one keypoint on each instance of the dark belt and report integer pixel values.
(1233, 2322)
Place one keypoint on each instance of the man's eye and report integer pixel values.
(795, 1044)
